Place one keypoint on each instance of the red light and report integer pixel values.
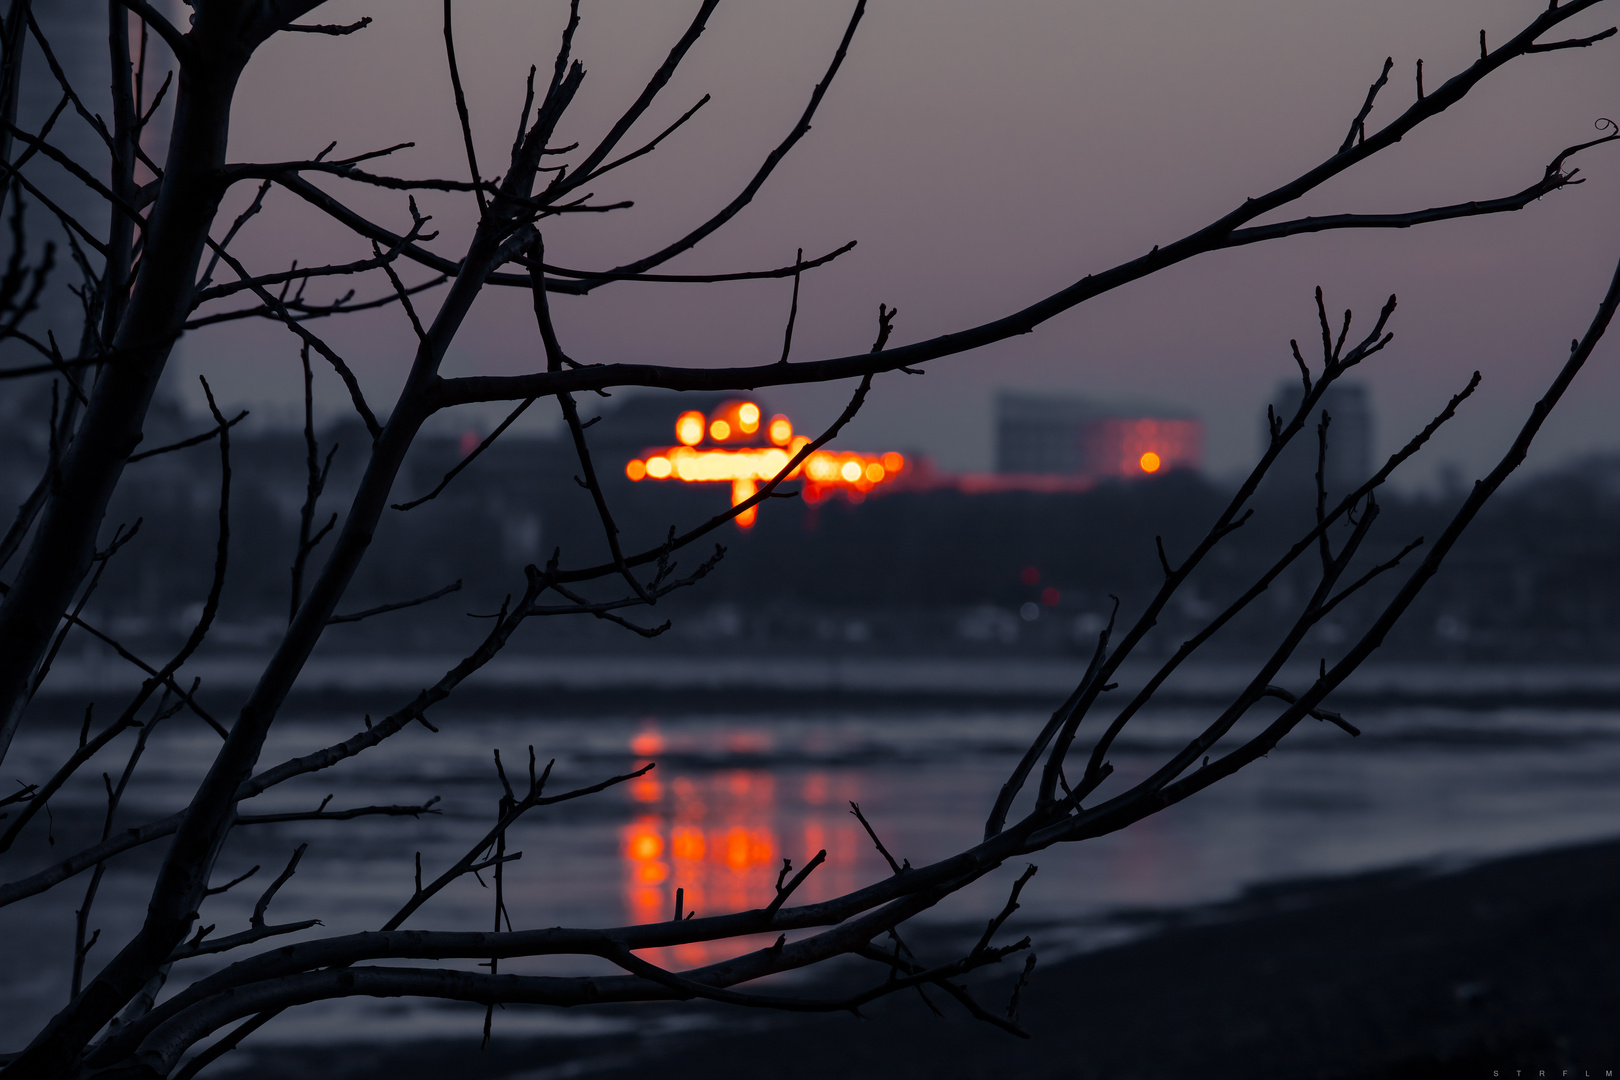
(1030, 576)
(1050, 596)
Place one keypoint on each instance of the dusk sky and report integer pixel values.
(985, 155)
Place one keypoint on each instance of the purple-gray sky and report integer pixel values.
(986, 154)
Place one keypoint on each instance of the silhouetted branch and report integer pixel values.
(195, 440)
(1358, 127)
(166, 30)
(730, 210)
(854, 808)
(309, 339)
(533, 798)
(236, 941)
(461, 108)
(660, 78)
(303, 274)
(123, 322)
(1573, 43)
(468, 460)
(382, 609)
(330, 29)
(302, 311)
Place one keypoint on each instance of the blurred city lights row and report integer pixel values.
(753, 461)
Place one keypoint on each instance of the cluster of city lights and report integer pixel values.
(755, 456)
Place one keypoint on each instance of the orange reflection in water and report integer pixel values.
(720, 838)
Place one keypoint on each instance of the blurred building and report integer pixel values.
(1349, 437)
(1051, 435)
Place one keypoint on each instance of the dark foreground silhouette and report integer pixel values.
(1507, 966)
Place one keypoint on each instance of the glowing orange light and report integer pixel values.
(645, 789)
(689, 428)
(646, 743)
(645, 846)
(752, 463)
(737, 849)
(747, 847)
(1150, 462)
(652, 873)
(687, 843)
(742, 489)
(647, 904)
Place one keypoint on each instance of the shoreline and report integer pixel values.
(610, 683)
(1508, 964)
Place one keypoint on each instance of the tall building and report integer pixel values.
(1052, 435)
(1350, 437)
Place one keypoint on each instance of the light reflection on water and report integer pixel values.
(720, 837)
(735, 795)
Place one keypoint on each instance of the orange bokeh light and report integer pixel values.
(687, 843)
(741, 491)
(748, 417)
(893, 462)
(636, 469)
(659, 467)
(1150, 462)
(644, 789)
(781, 430)
(746, 847)
(645, 845)
(646, 743)
(689, 428)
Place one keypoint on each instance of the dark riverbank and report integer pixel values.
(1505, 966)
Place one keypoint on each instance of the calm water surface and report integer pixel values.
(734, 795)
